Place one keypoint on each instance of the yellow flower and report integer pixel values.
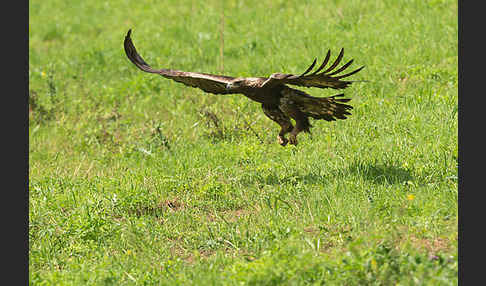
(374, 264)
(43, 74)
(410, 197)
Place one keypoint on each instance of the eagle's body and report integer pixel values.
(279, 102)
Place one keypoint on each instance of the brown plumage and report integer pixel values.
(279, 102)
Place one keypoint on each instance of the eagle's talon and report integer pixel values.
(282, 140)
(293, 140)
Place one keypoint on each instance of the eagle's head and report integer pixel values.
(236, 83)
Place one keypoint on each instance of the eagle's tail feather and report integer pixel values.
(328, 108)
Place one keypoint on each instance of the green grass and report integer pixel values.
(131, 183)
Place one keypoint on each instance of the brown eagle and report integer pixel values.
(279, 102)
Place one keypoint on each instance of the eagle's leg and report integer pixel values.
(301, 121)
(301, 124)
(283, 120)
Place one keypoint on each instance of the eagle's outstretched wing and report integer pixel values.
(210, 83)
(328, 78)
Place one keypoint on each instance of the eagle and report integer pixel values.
(280, 102)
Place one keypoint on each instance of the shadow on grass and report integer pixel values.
(276, 179)
(378, 173)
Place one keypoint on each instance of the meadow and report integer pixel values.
(139, 180)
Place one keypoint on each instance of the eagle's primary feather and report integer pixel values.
(279, 102)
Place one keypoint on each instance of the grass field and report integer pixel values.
(132, 183)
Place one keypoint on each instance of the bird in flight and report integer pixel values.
(280, 102)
